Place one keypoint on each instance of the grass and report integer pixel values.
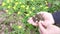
(18, 12)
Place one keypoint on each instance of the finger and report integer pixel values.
(30, 20)
(46, 23)
(41, 27)
(47, 16)
(40, 31)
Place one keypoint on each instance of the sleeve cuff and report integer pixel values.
(56, 17)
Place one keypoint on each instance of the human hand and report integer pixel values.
(48, 19)
(51, 29)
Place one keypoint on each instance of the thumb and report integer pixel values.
(41, 27)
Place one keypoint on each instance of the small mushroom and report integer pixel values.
(37, 18)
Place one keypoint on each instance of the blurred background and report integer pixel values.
(15, 13)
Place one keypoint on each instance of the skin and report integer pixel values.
(46, 26)
(51, 29)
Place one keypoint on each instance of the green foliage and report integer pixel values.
(28, 8)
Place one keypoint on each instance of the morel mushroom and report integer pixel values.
(37, 18)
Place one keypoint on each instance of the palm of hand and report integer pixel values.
(52, 29)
